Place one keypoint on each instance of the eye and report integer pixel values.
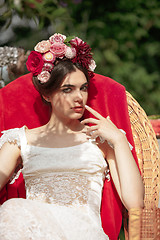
(84, 88)
(67, 90)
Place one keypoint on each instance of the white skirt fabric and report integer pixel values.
(23, 219)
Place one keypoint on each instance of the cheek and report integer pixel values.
(66, 99)
(85, 97)
(63, 101)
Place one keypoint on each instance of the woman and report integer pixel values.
(64, 162)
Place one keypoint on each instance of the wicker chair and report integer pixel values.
(148, 156)
(147, 151)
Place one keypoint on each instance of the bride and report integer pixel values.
(65, 161)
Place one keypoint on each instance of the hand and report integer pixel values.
(102, 128)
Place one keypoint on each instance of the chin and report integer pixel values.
(76, 115)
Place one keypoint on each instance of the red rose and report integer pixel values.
(35, 63)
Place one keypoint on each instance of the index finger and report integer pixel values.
(95, 113)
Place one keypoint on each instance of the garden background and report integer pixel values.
(124, 36)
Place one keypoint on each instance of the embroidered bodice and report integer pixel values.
(69, 177)
(63, 176)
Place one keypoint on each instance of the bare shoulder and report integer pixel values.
(34, 131)
(10, 141)
(34, 134)
(10, 150)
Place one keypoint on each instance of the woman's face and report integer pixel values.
(68, 102)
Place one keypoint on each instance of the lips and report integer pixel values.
(78, 109)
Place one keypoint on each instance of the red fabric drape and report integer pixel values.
(21, 104)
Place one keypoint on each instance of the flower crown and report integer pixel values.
(41, 61)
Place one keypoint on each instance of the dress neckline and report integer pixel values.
(56, 148)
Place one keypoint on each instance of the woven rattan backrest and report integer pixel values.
(147, 150)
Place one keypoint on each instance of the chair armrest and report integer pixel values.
(147, 151)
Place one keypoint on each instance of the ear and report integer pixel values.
(47, 99)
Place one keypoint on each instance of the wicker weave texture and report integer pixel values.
(147, 150)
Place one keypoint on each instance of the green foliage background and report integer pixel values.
(124, 36)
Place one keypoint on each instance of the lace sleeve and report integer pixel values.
(11, 136)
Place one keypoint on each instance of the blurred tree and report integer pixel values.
(126, 41)
(124, 36)
(32, 9)
(24, 22)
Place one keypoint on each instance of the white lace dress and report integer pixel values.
(63, 188)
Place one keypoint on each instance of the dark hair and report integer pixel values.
(59, 72)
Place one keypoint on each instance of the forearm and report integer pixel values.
(131, 185)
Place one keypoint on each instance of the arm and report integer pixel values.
(125, 174)
(123, 168)
(9, 156)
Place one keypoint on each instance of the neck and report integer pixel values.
(61, 126)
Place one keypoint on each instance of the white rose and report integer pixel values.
(92, 66)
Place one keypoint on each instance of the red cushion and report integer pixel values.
(21, 104)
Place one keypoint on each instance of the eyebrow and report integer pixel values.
(67, 85)
(70, 85)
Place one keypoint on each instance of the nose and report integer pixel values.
(78, 96)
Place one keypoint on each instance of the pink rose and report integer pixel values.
(57, 37)
(70, 52)
(58, 49)
(76, 41)
(35, 63)
(49, 57)
(44, 76)
(43, 46)
(48, 67)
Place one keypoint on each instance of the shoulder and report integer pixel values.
(35, 135)
(12, 136)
